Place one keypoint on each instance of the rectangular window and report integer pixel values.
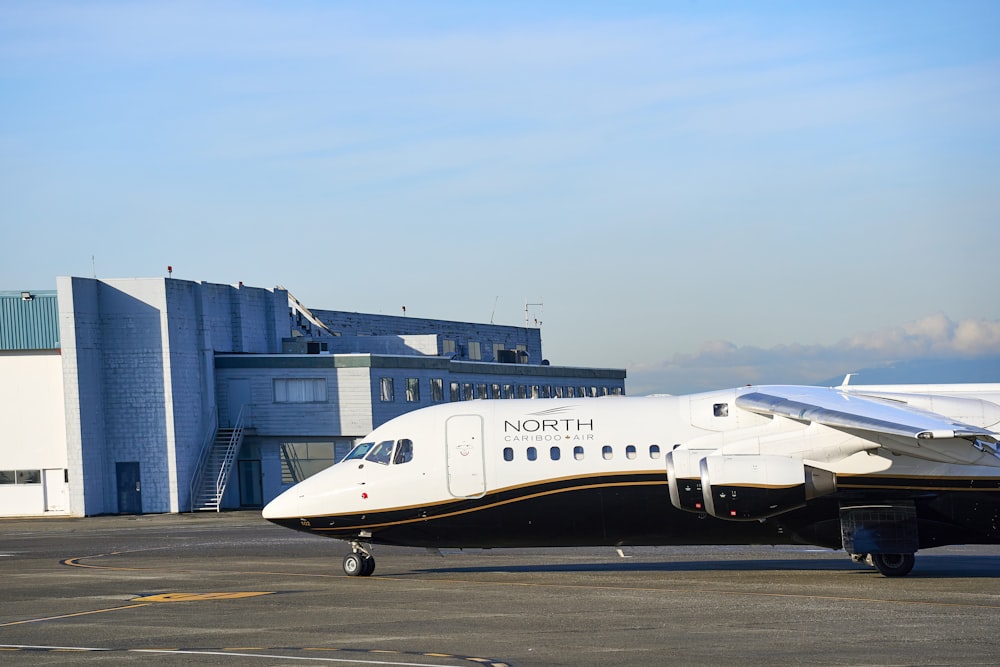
(456, 392)
(495, 390)
(387, 392)
(475, 350)
(497, 349)
(521, 391)
(570, 392)
(412, 390)
(508, 391)
(467, 394)
(481, 390)
(447, 347)
(20, 476)
(299, 390)
(437, 390)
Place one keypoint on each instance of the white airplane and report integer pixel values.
(879, 471)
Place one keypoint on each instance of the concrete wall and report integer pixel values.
(139, 378)
(363, 324)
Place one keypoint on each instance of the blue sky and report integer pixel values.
(746, 187)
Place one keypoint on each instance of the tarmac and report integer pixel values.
(232, 589)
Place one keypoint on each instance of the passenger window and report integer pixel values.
(554, 453)
(381, 453)
(578, 453)
(606, 452)
(508, 453)
(532, 453)
(630, 452)
(720, 409)
(404, 452)
(654, 451)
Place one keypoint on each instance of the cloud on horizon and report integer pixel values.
(721, 363)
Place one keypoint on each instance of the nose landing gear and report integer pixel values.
(359, 563)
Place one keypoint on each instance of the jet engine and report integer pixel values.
(748, 488)
(684, 479)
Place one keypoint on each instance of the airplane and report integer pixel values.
(879, 471)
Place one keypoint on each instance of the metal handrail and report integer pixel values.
(206, 450)
(235, 440)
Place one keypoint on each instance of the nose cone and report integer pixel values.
(285, 506)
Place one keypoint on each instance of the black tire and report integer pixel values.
(893, 565)
(369, 565)
(354, 565)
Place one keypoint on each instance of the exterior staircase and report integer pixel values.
(218, 458)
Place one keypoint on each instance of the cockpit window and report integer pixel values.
(359, 452)
(404, 451)
(381, 453)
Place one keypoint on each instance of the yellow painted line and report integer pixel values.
(198, 597)
(79, 613)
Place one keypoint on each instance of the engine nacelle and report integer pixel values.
(748, 488)
(684, 479)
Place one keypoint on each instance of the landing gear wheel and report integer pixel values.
(358, 564)
(893, 565)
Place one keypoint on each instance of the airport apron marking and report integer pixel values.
(242, 653)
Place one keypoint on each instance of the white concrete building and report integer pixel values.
(153, 394)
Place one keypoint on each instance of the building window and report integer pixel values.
(475, 350)
(386, 391)
(467, 394)
(570, 392)
(536, 391)
(299, 390)
(559, 392)
(495, 390)
(437, 390)
(497, 348)
(300, 460)
(508, 391)
(20, 476)
(481, 390)
(447, 347)
(521, 391)
(455, 392)
(412, 390)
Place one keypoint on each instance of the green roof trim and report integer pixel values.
(305, 361)
(29, 320)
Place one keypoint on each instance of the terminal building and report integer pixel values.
(155, 395)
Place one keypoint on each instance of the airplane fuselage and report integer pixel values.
(586, 472)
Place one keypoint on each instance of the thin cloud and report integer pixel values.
(722, 363)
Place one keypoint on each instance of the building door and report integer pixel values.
(239, 395)
(129, 487)
(466, 473)
(251, 491)
(56, 489)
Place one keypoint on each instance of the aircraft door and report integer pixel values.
(465, 458)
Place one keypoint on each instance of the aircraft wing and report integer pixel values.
(910, 430)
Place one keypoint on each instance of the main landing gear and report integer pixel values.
(889, 565)
(359, 563)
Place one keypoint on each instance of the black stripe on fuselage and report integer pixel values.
(612, 509)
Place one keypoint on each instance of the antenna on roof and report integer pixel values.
(526, 304)
(494, 308)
